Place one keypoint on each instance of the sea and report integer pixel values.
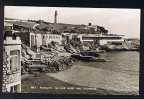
(120, 73)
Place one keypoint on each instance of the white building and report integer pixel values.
(38, 39)
(93, 27)
(11, 81)
(101, 39)
(53, 37)
(88, 37)
(35, 39)
(8, 26)
(111, 38)
(70, 36)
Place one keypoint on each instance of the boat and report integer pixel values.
(88, 57)
(94, 59)
(90, 53)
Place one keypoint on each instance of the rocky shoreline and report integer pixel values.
(55, 61)
(45, 61)
(57, 64)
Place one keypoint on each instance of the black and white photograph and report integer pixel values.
(71, 50)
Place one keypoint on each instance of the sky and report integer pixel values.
(118, 21)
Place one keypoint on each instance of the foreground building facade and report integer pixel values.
(12, 63)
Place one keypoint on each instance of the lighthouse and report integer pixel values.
(55, 16)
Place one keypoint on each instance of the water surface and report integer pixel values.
(121, 74)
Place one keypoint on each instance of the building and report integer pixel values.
(88, 37)
(99, 38)
(49, 37)
(24, 28)
(35, 40)
(94, 27)
(69, 36)
(39, 39)
(105, 39)
(11, 81)
(132, 43)
(34, 35)
(8, 26)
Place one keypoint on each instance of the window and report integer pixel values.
(14, 60)
(115, 43)
(14, 37)
(50, 37)
(14, 89)
(32, 40)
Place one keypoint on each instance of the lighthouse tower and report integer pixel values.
(55, 17)
(11, 80)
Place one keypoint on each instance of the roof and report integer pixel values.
(11, 33)
(69, 33)
(90, 35)
(101, 36)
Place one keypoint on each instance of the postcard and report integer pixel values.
(65, 50)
